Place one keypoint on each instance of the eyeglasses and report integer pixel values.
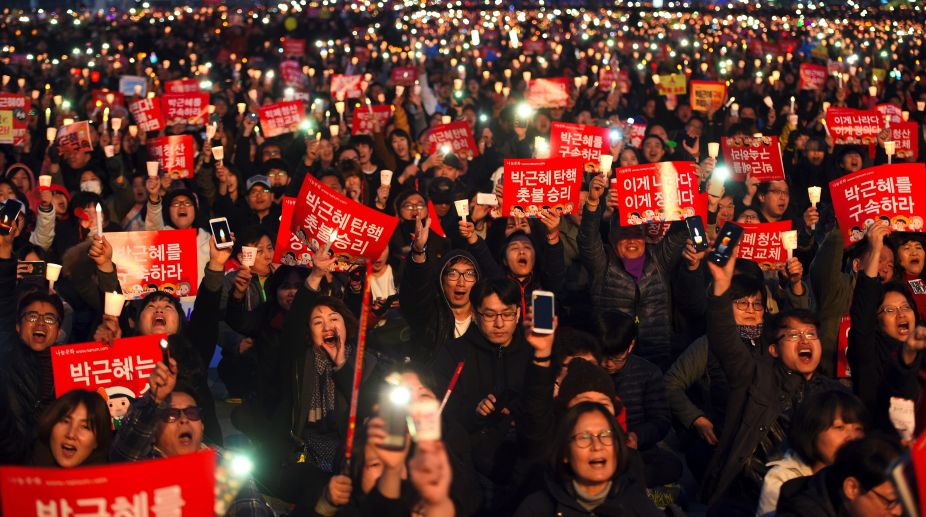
(172, 414)
(181, 204)
(584, 440)
(779, 192)
(275, 174)
(890, 504)
(891, 309)
(32, 317)
(795, 336)
(453, 275)
(258, 192)
(745, 305)
(411, 207)
(505, 316)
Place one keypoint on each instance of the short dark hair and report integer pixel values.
(337, 305)
(780, 321)
(504, 288)
(617, 331)
(762, 188)
(333, 173)
(40, 297)
(817, 414)
(97, 418)
(866, 460)
(571, 342)
(250, 235)
(563, 439)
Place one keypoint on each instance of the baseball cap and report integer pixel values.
(258, 179)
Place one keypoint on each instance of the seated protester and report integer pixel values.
(910, 258)
(263, 210)
(75, 430)
(822, 425)
(640, 387)
(763, 393)
(238, 367)
(166, 422)
(884, 321)
(696, 387)
(589, 470)
(434, 296)
(858, 483)
(410, 206)
(631, 277)
(177, 210)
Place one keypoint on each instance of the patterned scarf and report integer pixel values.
(753, 332)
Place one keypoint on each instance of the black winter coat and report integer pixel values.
(627, 499)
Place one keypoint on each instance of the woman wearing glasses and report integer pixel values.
(589, 470)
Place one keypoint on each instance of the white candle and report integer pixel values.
(51, 133)
(334, 130)
(713, 149)
(331, 238)
(99, 220)
(152, 169)
(604, 164)
(218, 152)
(792, 104)
(462, 206)
(133, 130)
(113, 304)
(242, 107)
(117, 124)
(789, 241)
(52, 271)
(210, 131)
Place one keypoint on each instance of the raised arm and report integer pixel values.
(723, 338)
(591, 249)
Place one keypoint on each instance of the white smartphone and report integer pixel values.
(542, 308)
(221, 232)
(486, 199)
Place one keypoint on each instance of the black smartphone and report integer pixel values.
(696, 232)
(36, 268)
(254, 118)
(8, 214)
(727, 239)
(542, 309)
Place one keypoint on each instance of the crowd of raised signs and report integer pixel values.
(462, 262)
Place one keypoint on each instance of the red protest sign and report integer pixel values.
(852, 126)
(708, 95)
(291, 72)
(405, 75)
(19, 105)
(534, 184)
(153, 487)
(637, 134)
(361, 232)
(346, 86)
(658, 192)
(905, 135)
(887, 192)
(576, 140)
(364, 117)
(147, 114)
(181, 86)
(101, 98)
(759, 157)
(609, 77)
(282, 117)
(761, 243)
(842, 348)
(127, 364)
(164, 260)
(75, 137)
(454, 137)
(293, 47)
(813, 77)
(175, 154)
(185, 108)
(889, 110)
(551, 92)
(535, 46)
(289, 250)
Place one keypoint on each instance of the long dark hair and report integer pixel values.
(97, 418)
(566, 429)
(817, 414)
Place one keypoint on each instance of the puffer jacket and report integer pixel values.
(626, 499)
(614, 289)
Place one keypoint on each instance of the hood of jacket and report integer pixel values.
(444, 263)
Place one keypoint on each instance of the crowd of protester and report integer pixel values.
(670, 383)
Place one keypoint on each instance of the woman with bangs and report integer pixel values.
(74, 431)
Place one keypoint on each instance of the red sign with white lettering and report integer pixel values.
(761, 243)
(552, 92)
(365, 115)
(175, 154)
(905, 135)
(813, 77)
(759, 157)
(181, 86)
(289, 250)
(579, 141)
(164, 260)
(455, 137)
(534, 184)
(293, 47)
(282, 117)
(185, 108)
(852, 126)
(406, 75)
(75, 137)
(19, 105)
(346, 86)
(147, 114)
(127, 364)
(658, 192)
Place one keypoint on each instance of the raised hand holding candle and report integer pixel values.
(385, 177)
(242, 107)
(248, 254)
(789, 241)
(604, 164)
(890, 147)
(218, 152)
(813, 193)
(99, 220)
(113, 304)
(152, 169)
(44, 182)
(713, 149)
(462, 206)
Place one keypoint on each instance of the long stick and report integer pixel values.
(358, 370)
(453, 382)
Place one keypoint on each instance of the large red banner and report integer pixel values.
(365, 115)
(906, 138)
(147, 114)
(761, 243)
(164, 260)
(174, 153)
(293, 47)
(75, 137)
(759, 157)
(405, 75)
(813, 77)
(346, 86)
(19, 105)
(280, 118)
(852, 126)
(577, 140)
(551, 92)
(185, 108)
(889, 192)
(127, 364)
(181, 86)
(175, 486)
(534, 184)
(289, 250)
(455, 137)
(658, 192)
(360, 232)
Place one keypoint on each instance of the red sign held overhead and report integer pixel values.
(19, 105)
(126, 364)
(889, 110)
(852, 126)
(455, 137)
(759, 157)
(175, 154)
(552, 92)
(164, 260)
(185, 108)
(576, 140)
(282, 117)
(147, 114)
(289, 250)
(534, 184)
(905, 135)
(75, 137)
(708, 95)
(346, 86)
(293, 47)
(761, 243)
(103, 96)
(813, 77)
(535, 46)
(181, 86)
(658, 192)
(405, 75)
(291, 73)
(608, 78)
(365, 115)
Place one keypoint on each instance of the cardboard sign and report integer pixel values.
(552, 92)
(362, 232)
(293, 47)
(181, 86)
(75, 137)
(534, 184)
(658, 192)
(895, 193)
(759, 157)
(672, 84)
(843, 371)
(18, 106)
(761, 243)
(813, 77)
(889, 110)
(852, 126)
(455, 137)
(905, 135)
(609, 77)
(126, 364)
(346, 86)
(175, 154)
(576, 140)
(288, 249)
(127, 84)
(405, 75)
(708, 95)
(185, 108)
(148, 115)
(100, 98)
(280, 118)
(363, 118)
(291, 72)
(6, 126)
(164, 260)
(175, 486)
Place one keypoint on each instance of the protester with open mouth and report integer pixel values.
(75, 430)
(178, 210)
(911, 258)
